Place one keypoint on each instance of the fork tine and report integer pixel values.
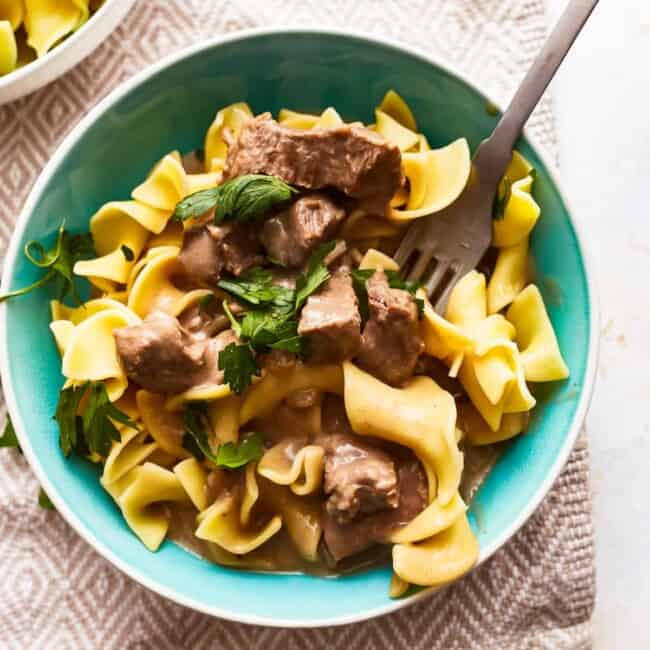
(437, 276)
(420, 266)
(441, 303)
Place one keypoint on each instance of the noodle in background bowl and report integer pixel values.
(66, 54)
(169, 106)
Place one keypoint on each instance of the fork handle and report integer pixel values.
(494, 153)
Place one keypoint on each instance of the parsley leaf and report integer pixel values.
(245, 198)
(233, 455)
(93, 430)
(44, 500)
(315, 275)
(261, 328)
(295, 344)
(359, 279)
(256, 287)
(9, 438)
(229, 455)
(59, 261)
(129, 256)
(69, 422)
(504, 192)
(238, 365)
(196, 422)
(272, 321)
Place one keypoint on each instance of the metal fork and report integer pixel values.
(440, 249)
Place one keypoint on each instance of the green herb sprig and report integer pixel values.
(228, 455)
(272, 319)
(245, 198)
(93, 430)
(58, 263)
(9, 439)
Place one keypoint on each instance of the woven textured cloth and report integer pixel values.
(56, 592)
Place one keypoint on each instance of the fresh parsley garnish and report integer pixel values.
(129, 256)
(245, 198)
(256, 287)
(271, 321)
(196, 424)
(228, 455)
(315, 275)
(233, 456)
(57, 261)
(395, 281)
(44, 500)
(504, 192)
(239, 366)
(93, 430)
(9, 438)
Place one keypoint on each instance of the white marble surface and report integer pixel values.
(602, 98)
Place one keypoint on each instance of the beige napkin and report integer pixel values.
(56, 592)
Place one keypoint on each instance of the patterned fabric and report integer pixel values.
(56, 592)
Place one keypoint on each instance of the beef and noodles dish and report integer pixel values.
(257, 380)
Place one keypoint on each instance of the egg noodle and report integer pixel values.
(29, 29)
(495, 338)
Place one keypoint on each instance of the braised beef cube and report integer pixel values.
(330, 320)
(344, 539)
(240, 247)
(159, 355)
(391, 341)
(209, 251)
(291, 236)
(359, 478)
(350, 158)
(200, 257)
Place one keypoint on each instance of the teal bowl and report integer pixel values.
(170, 106)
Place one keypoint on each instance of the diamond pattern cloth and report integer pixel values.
(56, 592)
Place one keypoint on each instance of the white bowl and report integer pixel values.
(64, 56)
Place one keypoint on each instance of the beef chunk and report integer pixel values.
(331, 322)
(159, 354)
(343, 539)
(291, 236)
(210, 250)
(240, 247)
(391, 342)
(351, 158)
(210, 373)
(359, 478)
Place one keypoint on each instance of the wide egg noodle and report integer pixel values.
(520, 215)
(154, 289)
(302, 473)
(139, 494)
(165, 427)
(440, 559)
(509, 276)
(132, 450)
(540, 353)
(90, 353)
(420, 416)
(49, 21)
(301, 516)
(193, 477)
(231, 118)
(263, 396)
(436, 179)
(8, 48)
(226, 521)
